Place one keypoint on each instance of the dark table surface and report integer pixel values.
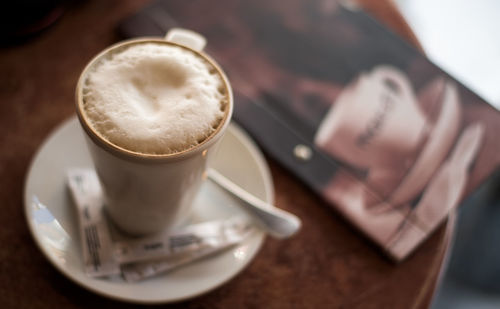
(327, 264)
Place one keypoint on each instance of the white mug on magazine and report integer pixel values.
(376, 123)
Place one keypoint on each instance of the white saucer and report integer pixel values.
(238, 158)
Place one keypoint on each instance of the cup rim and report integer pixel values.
(122, 152)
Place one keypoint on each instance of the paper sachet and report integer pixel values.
(143, 257)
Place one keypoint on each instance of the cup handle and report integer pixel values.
(187, 38)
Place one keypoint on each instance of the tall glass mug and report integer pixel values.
(144, 192)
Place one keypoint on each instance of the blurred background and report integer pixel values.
(461, 37)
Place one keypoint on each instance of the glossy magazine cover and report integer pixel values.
(391, 141)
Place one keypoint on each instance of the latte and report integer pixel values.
(154, 98)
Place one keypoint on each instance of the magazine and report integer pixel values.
(391, 141)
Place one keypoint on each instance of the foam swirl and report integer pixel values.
(154, 98)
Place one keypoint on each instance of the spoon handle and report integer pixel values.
(277, 222)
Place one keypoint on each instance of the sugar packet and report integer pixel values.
(182, 247)
(143, 257)
(95, 239)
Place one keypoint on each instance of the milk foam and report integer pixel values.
(154, 98)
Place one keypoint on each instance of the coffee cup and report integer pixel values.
(375, 124)
(148, 191)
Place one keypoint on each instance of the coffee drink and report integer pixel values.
(154, 98)
(153, 111)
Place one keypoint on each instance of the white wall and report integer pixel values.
(461, 36)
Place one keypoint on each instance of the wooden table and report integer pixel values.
(329, 264)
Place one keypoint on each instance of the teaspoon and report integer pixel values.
(277, 222)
